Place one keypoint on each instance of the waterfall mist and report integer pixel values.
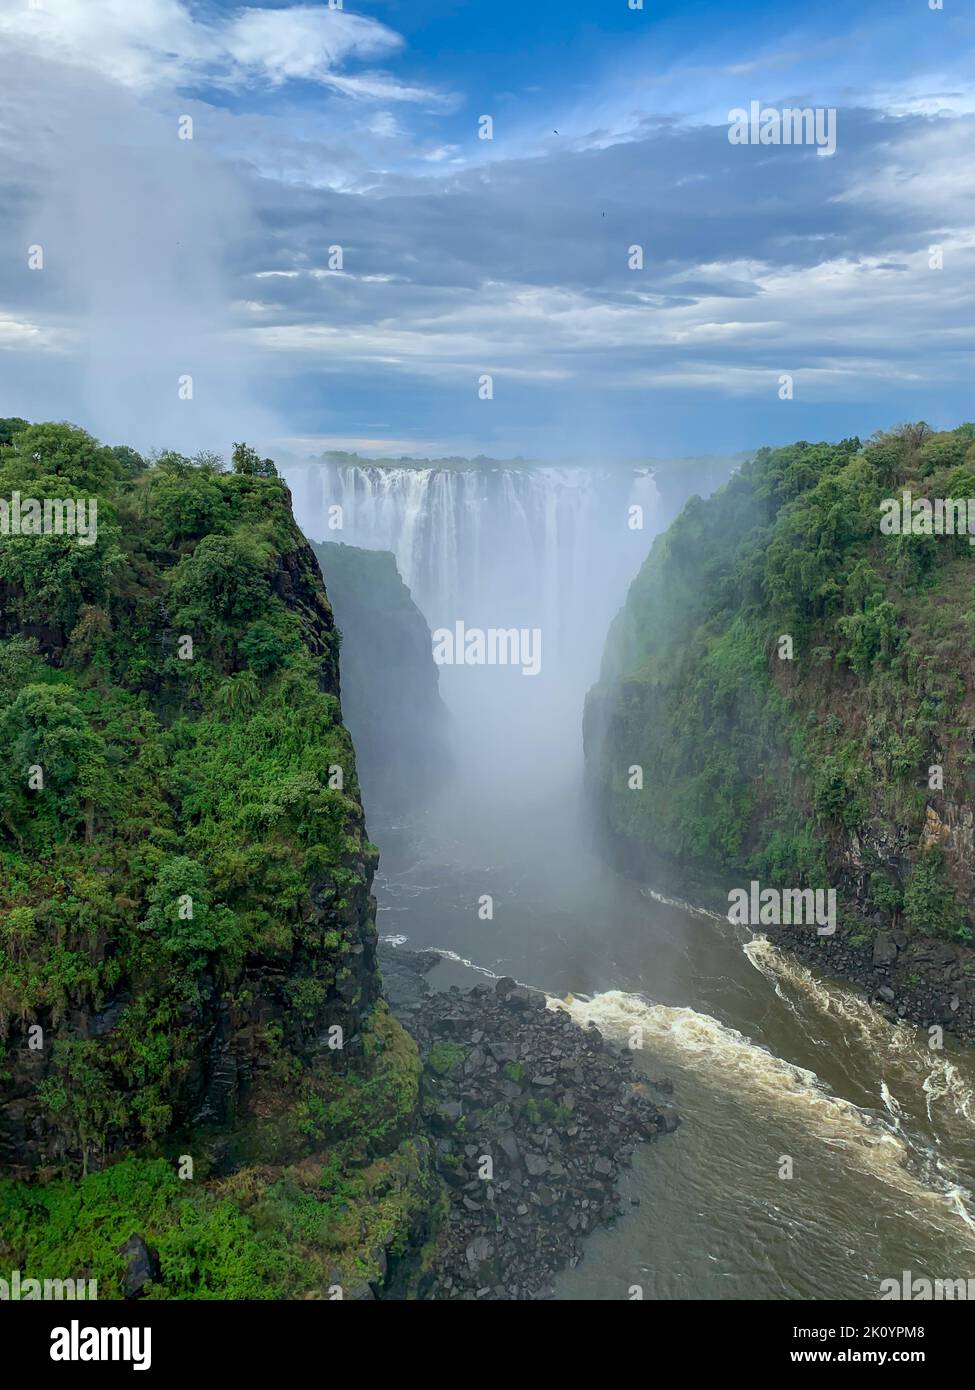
(547, 549)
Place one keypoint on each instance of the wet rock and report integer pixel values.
(141, 1266)
(479, 1252)
(884, 949)
(518, 998)
(555, 1108)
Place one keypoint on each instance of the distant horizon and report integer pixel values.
(472, 460)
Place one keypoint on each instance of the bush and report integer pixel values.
(931, 907)
(223, 582)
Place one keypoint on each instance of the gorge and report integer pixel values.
(203, 1093)
(769, 1056)
(239, 963)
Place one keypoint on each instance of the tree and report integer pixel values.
(63, 451)
(131, 462)
(17, 931)
(44, 728)
(9, 427)
(185, 503)
(237, 693)
(874, 635)
(222, 581)
(263, 648)
(931, 906)
(179, 910)
(52, 577)
(246, 460)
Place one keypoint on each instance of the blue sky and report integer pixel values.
(167, 258)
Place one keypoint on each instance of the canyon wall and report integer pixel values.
(390, 685)
(193, 1035)
(787, 696)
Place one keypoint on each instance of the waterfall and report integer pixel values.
(495, 545)
(541, 545)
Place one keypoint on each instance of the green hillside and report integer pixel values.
(187, 943)
(812, 768)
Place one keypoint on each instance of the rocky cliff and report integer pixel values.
(191, 1030)
(787, 697)
(390, 684)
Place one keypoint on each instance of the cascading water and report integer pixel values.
(496, 546)
(546, 540)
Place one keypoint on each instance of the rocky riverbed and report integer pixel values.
(911, 979)
(532, 1119)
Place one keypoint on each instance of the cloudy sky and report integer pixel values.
(166, 258)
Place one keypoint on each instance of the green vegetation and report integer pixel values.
(208, 1247)
(539, 1112)
(184, 888)
(269, 1231)
(807, 767)
(445, 1056)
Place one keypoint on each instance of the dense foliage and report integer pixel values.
(184, 874)
(812, 765)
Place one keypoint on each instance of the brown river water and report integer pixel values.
(768, 1062)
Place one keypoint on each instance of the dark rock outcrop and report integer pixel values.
(533, 1119)
(141, 1266)
(390, 683)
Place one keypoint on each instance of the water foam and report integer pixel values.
(724, 1058)
(932, 1072)
(949, 1094)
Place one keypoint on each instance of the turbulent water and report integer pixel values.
(822, 1149)
(768, 1063)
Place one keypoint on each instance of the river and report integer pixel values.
(768, 1062)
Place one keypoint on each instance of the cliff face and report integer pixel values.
(187, 942)
(795, 689)
(390, 685)
(327, 950)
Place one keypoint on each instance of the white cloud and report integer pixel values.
(158, 43)
(153, 42)
(385, 124)
(303, 41)
(934, 169)
(827, 324)
(15, 333)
